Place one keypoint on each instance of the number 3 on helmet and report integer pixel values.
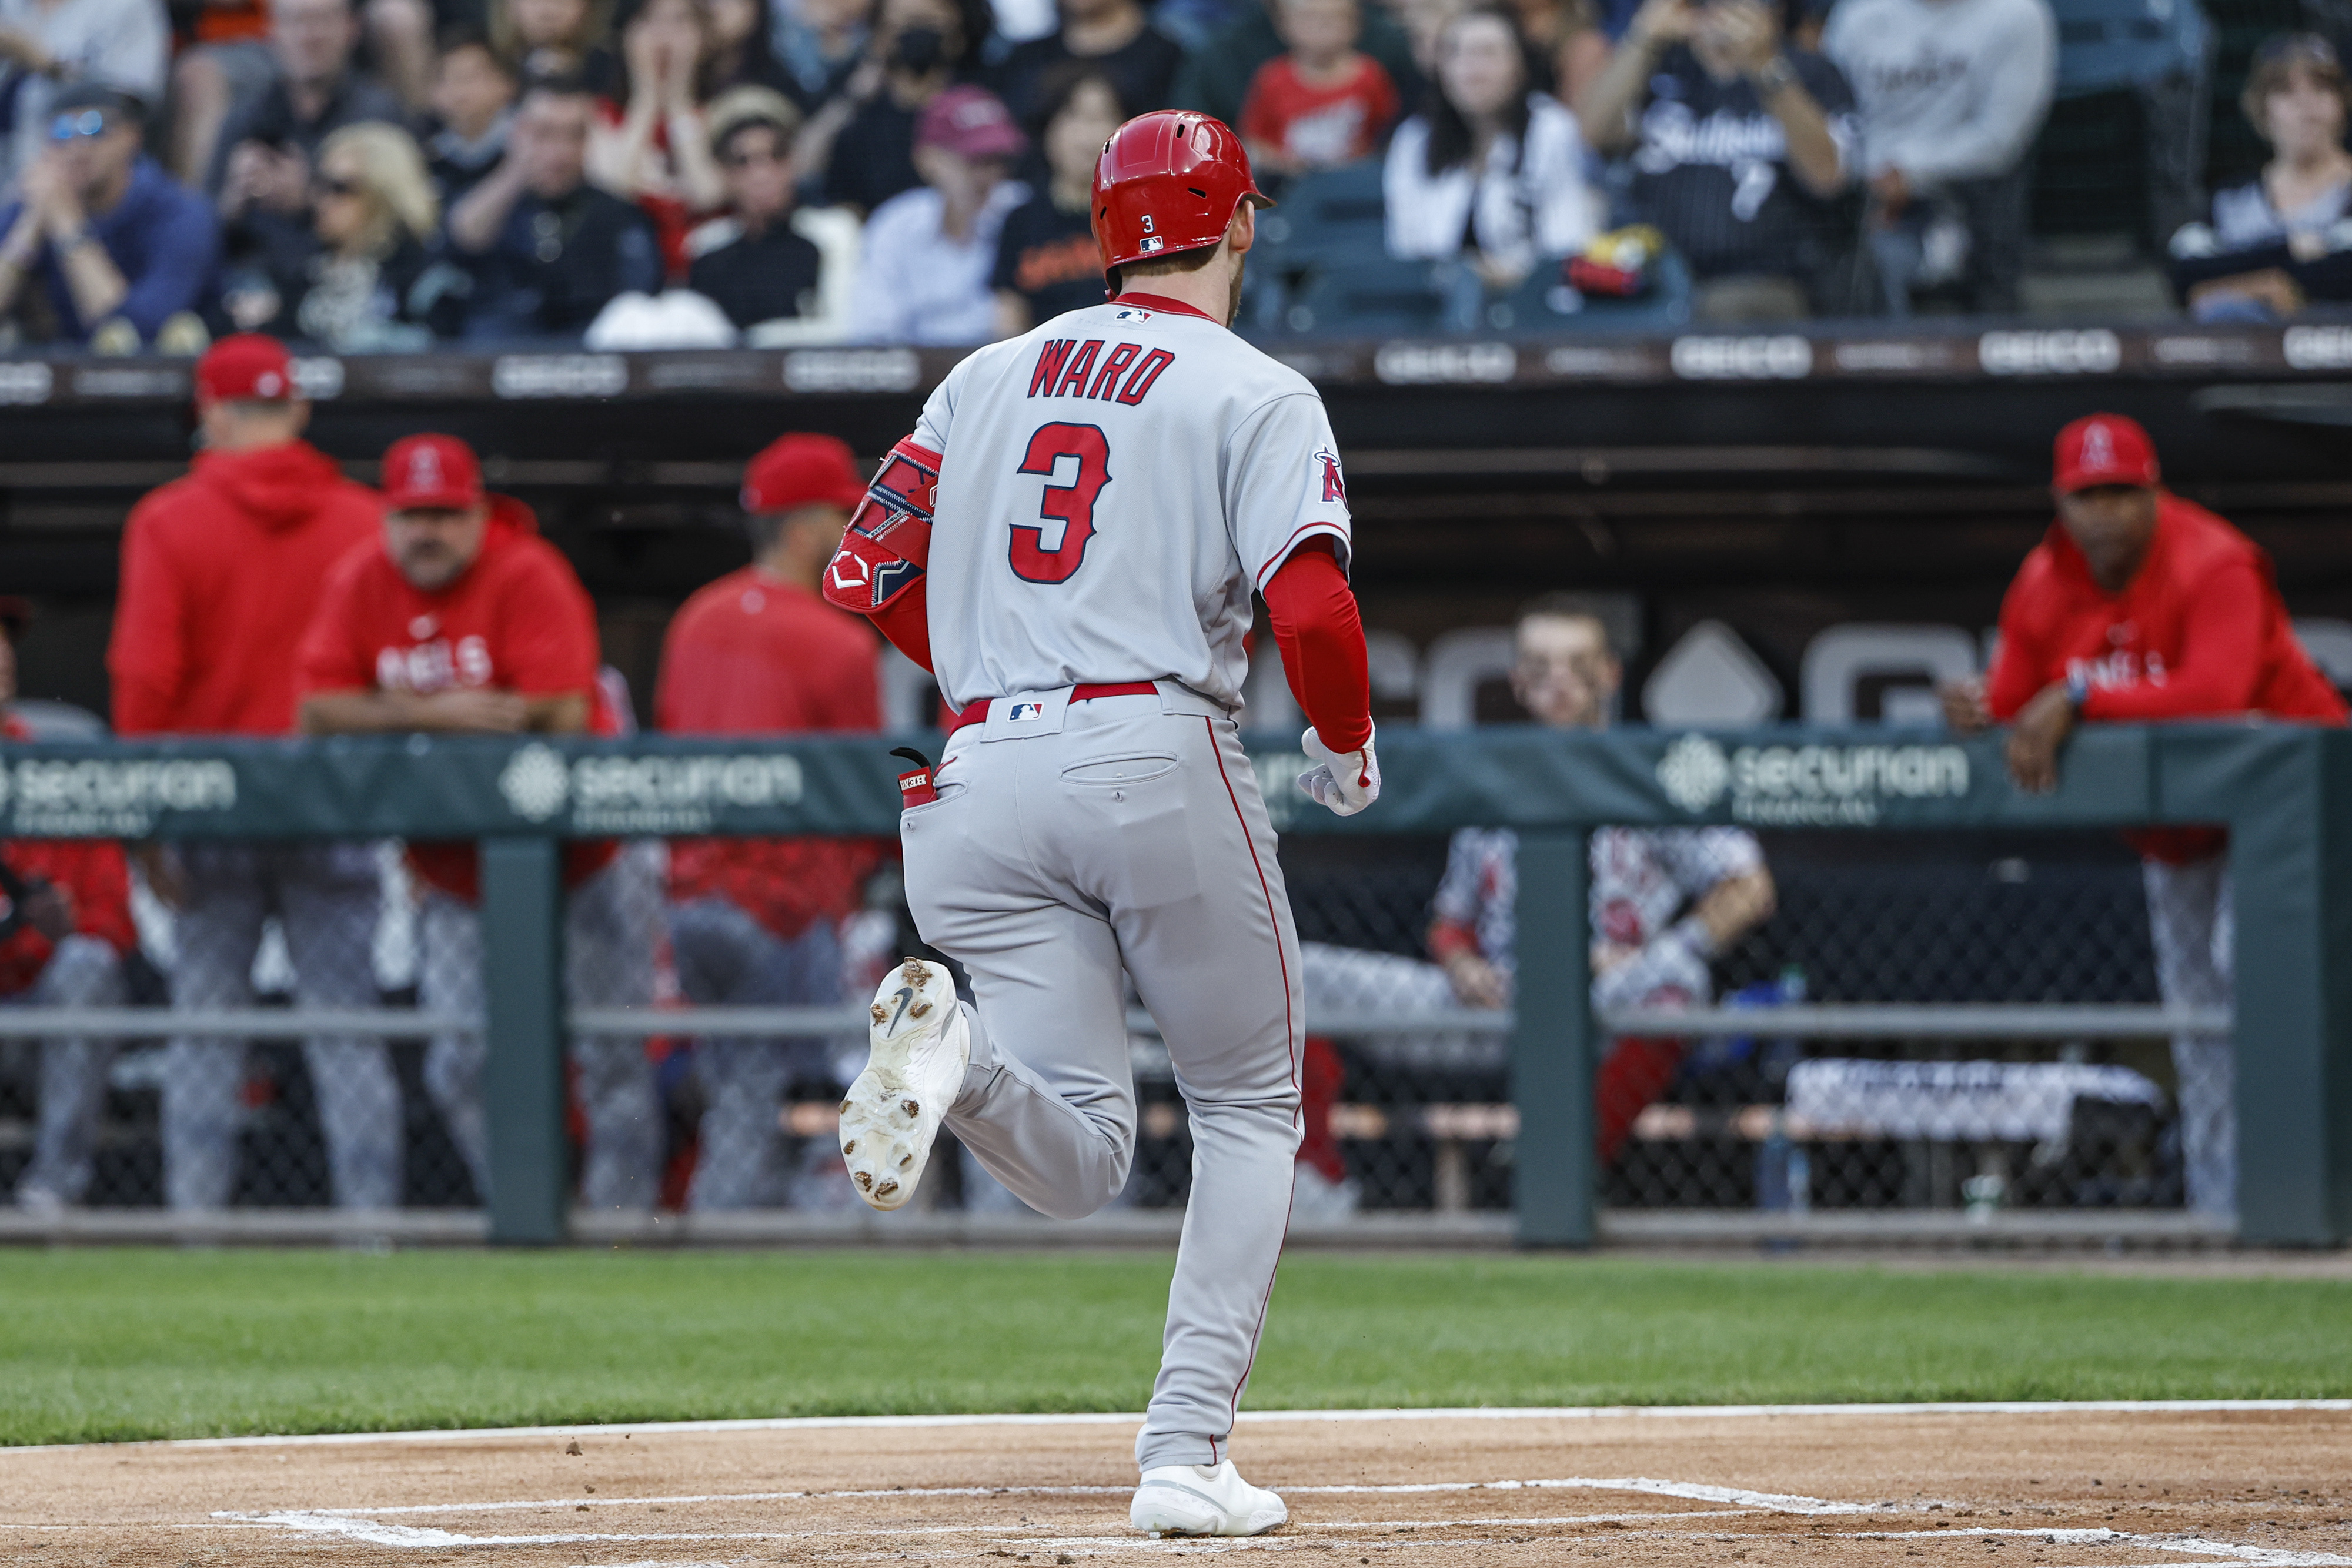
(1168, 181)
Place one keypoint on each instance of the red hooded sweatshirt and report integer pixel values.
(516, 620)
(220, 572)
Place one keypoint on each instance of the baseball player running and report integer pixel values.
(1069, 541)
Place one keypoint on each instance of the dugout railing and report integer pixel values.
(2284, 792)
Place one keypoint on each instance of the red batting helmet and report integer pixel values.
(1168, 181)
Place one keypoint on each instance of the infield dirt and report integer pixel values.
(2086, 1488)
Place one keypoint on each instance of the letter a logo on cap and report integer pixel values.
(2099, 447)
(424, 468)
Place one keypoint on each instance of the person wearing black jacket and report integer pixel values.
(547, 250)
(751, 264)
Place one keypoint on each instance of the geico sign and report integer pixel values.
(2091, 352)
(1783, 357)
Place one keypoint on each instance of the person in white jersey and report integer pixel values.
(1069, 541)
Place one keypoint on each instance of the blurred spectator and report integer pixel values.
(738, 50)
(1215, 77)
(1490, 173)
(864, 139)
(817, 44)
(1664, 901)
(1568, 41)
(1115, 36)
(756, 922)
(2282, 238)
(2138, 606)
(64, 933)
(656, 152)
(459, 618)
(558, 39)
(216, 567)
(1323, 103)
(1737, 146)
(361, 280)
(121, 251)
(547, 250)
(764, 264)
(1046, 258)
(928, 253)
(1951, 94)
(263, 156)
(47, 46)
(1423, 21)
(473, 102)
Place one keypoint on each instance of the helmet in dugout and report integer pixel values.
(1168, 181)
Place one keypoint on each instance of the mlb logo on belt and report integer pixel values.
(1021, 713)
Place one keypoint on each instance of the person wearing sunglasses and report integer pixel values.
(783, 275)
(48, 46)
(104, 233)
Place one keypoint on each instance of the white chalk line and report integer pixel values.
(2274, 1557)
(1249, 1417)
(1692, 1490)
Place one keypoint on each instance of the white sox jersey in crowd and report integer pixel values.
(1642, 877)
(1087, 510)
(1112, 487)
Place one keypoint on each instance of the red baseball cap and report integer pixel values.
(435, 473)
(802, 470)
(970, 122)
(245, 367)
(2103, 449)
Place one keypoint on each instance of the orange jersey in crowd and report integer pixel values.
(220, 572)
(2199, 633)
(517, 619)
(90, 872)
(753, 655)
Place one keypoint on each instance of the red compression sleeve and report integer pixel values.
(1321, 635)
(906, 622)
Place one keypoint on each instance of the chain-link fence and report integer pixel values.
(1791, 1022)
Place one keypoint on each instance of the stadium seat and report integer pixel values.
(1371, 295)
(1544, 306)
(1334, 217)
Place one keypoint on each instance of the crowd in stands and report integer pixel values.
(384, 174)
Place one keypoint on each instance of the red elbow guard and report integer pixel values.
(889, 537)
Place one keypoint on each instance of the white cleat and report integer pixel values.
(920, 1045)
(1204, 1499)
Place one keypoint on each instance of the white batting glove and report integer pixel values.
(1346, 781)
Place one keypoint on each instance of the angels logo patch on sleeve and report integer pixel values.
(1335, 487)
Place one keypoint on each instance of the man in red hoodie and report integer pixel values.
(219, 572)
(2139, 606)
(458, 617)
(756, 922)
(65, 927)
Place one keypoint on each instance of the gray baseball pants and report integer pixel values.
(1125, 832)
(610, 925)
(2190, 921)
(724, 957)
(328, 898)
(83, 972)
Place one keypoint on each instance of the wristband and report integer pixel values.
(1694, 933)
(1775, 76)
(2078, 686)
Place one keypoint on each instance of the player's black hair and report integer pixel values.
(1451, 139)
(460, 36)
(1563, 606)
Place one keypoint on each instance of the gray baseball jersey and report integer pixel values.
(1112, 487)
(1092, 505)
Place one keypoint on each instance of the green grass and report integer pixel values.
(137, 1343)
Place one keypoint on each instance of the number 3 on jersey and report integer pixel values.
(1071, 504)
